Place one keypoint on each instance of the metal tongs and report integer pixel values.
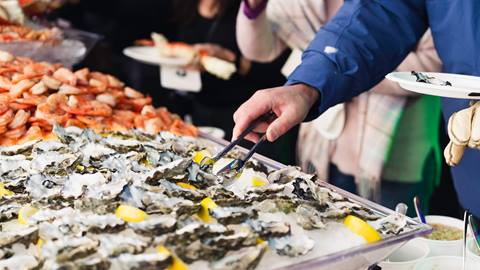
(237, 164)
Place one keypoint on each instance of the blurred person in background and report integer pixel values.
(210, 26)
(382, 144)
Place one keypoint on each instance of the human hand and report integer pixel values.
(215, 51)
(290, 104)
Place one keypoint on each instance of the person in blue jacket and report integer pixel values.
(366, 40)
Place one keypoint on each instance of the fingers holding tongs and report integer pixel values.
(237, 164)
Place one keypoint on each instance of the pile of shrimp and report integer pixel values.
(34, 96)
(10, 33)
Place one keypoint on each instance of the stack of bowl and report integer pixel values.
(435, 254)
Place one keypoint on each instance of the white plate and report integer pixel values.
(463, 86)
(149, 55)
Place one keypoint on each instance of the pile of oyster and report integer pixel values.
(76, 183)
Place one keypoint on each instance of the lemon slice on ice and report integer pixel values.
(200, 155)
(177, 264)
(362, 228)
(39, 246)
(130, 214)
(186, 186)
(206, 204)
(259, 182)
(5, 192)
(25, 213)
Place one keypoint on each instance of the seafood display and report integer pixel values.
(213, 65)
(131, 200)
(463, 131)
(36, 95)
(11, 33)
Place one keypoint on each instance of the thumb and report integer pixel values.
(280, 126)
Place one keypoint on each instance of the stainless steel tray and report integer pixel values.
(359, 257)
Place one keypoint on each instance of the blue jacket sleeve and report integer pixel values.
(358, 47)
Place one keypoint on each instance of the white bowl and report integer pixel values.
(406, 257)
(445, 263)
(473, 254)
(444, 247)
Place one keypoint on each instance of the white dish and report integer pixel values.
(445, 263)
(406, 257)
(463, 86)
(149, 55)
(442, 247)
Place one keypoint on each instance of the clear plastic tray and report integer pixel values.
(359, 257)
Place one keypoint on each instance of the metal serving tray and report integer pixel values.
(359, 257)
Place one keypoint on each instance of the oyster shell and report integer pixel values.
(148, 261)
(155, 225)
(293, 246)
(245, 258)
(69, 248)
(309, 218)
(23, 235)
(24, 262)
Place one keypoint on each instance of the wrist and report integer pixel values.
(310, 93)
(253, 8)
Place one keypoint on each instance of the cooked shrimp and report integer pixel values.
(99, 85)
(76, 123)
(166, 116)
(181, 128)
(16, 133)
(3, 107)
(6, 117)
(65, 75)
(51, 83)
(154, 125)
(20, 119)
(67, 89)
(82, 76)
(3, 129)
(113, 82)
(37, 69)
(20, 87)
(132, 93)
(5, 83)
(51, 112)
(6, 57)
(148, 111)
(107, 98)
(33, 133)
(136, 104)
(39, 88)
(99, 77)
(81, 106)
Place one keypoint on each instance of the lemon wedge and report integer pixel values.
(177, 264)
(5, 192)
(259, 182)
(130, 214)
(362, 228)
(206, 204)
(186, 186)
(25, 213)
(200, 155)
(39, 246)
